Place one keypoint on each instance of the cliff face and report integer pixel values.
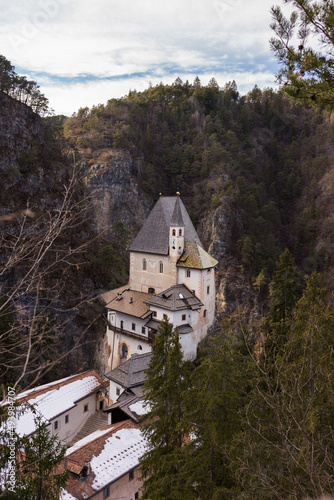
(112, 187)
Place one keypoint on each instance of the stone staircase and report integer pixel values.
(93, 423)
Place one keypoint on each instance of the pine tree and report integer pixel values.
(166, 379)
(38, 457)
(285, 449)
(211, 416)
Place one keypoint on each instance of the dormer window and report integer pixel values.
(144, 264)
(174, 232)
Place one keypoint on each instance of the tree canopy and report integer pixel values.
(21, 89)
(304, 44)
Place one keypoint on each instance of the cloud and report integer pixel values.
(113, 42)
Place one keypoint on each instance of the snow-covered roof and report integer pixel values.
(51, 400)
(110, 453)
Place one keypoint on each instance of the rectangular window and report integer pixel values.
(55, 425)
(131, 474)
(134, 327)
(188, 273)
(118, 391)
(207, 289)
(85, 408)
(122, 323)
(101, 405)
(143, 329)
(184, 317)
(154, 313)
(105, 492)
(67, 418)
(165, 316)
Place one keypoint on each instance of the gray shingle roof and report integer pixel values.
(175, 298)
(154, 235)
(177, 219)
(132, 372)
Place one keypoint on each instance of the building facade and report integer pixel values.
(171, 277)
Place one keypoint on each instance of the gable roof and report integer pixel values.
(154, 235)
(131, 373)
(111, 452)
(51, 400)
(195, 257)
(175, 298)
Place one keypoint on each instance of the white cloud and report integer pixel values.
(110, 38)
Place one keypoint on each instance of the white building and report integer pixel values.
(171, 276)
(64, 405)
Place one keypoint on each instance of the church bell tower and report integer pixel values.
(176, 231)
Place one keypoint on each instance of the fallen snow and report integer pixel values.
(140, 407)
(53, 403)
(120, 454)
(87, 439)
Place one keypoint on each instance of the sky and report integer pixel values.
(85, 52)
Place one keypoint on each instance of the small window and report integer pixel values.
(180, 232)
(133, 327)
(106, 492)
(184, 317)
(85, 408)
(151, 290)
(188, 273)
(131, 475)
(207, 289)
(122, 324)
(55, 425)
(101, 405)
(165, 317)
(209, 270)
(136, 495)
(139, 347)
(204, 313)
(173, 232)
(118, 391)
(161, 267)
(143, 330)
(144, 264)
(67, 419)
(154, 314)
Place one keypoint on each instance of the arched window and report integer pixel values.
(139, 347)
(173, 232)
(180, 232)
(144, 264)
(161, 267)
(124, 350)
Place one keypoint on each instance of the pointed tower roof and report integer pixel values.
(177, 219)
(154, 235)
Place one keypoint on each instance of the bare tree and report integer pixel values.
(35, 255)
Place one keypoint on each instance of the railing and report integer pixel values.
(143, 338)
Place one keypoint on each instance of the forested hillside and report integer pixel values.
(262, 154)
(256, 175)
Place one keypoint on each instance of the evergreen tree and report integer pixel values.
(284, 451)
(37, 459)
(211, 417)
(166, 380)
(308, 66)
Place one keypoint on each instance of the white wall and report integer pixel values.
(76, 419)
